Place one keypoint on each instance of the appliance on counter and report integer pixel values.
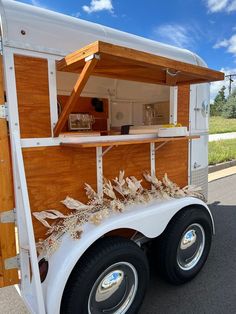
(149, 114)
(160, 130)
(80, 121)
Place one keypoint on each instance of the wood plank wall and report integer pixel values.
(183, 118)
(54, 172)
(183, 104)
(7, 231)
(33, 96)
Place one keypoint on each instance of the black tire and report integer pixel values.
(173, 265)
(82, 283)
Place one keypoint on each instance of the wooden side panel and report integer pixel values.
(7, 231)
(172, 159)
(53, 173)
(133, 159)
(183, 104)
(84, 106)
(33, 96)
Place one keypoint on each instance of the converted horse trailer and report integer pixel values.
(103, 135)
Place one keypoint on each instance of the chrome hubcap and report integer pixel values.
(114, 290)
(191, 247)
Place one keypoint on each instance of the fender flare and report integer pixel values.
(150, 220)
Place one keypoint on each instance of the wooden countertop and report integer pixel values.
(126, 141)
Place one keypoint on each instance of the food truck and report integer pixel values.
(103, 152)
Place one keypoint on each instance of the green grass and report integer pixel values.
(221, 125)
(220, 151)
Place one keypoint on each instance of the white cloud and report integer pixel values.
(221, 5)
(98, 5)
(76, 14)
(222, 43)
(232, 6)
(230, 44)
(37, 3)
(217, 5)
(175, 34)
(216, 86)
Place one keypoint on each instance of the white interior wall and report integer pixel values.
(126, 98)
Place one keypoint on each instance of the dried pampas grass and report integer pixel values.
(118, 195)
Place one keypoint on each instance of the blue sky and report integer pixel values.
(207, 27)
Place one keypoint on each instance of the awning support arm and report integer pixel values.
(76, 92)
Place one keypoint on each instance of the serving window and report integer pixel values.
(112, 104)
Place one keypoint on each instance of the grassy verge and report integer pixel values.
(221, 125)
(220, 151)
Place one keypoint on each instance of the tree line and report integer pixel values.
(224, 106)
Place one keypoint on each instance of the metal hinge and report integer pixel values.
(196, 165)
(93, 56)
(3, 111)
(12, 262)
(8, 216)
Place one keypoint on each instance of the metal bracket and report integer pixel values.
(12, 262)
(3, 111)
(91, 57)
(8, 216)
(107, 150)
(159, 146)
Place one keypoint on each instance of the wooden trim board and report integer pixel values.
(123, 58)
(75, 94)
(128, 142)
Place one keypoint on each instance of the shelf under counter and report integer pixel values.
(122, 141)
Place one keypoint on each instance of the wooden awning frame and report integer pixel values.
(112, 61)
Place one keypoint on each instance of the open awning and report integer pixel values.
(112, 61)
(129, 64)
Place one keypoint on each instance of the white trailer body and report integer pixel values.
(30, 32)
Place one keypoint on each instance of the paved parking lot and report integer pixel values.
(212, 291)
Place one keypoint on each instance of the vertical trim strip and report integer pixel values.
(52, 86)
(173, 104)
(152, 159)
(99, 171)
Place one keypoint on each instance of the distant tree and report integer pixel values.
(233, 92)
(219, 101)
(229, 108)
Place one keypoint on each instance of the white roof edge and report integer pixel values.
(60, 34)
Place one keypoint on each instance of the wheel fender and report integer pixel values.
(151, 220)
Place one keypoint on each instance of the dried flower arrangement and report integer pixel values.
(118, 195)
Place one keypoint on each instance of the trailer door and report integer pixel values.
(8, 274)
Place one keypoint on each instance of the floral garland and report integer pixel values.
(118, 195)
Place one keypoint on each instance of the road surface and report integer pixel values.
(213, 291)
(222, 136)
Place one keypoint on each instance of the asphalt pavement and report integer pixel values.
(213, 291)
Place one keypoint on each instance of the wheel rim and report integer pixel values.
(114, 290)
(191, 247)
